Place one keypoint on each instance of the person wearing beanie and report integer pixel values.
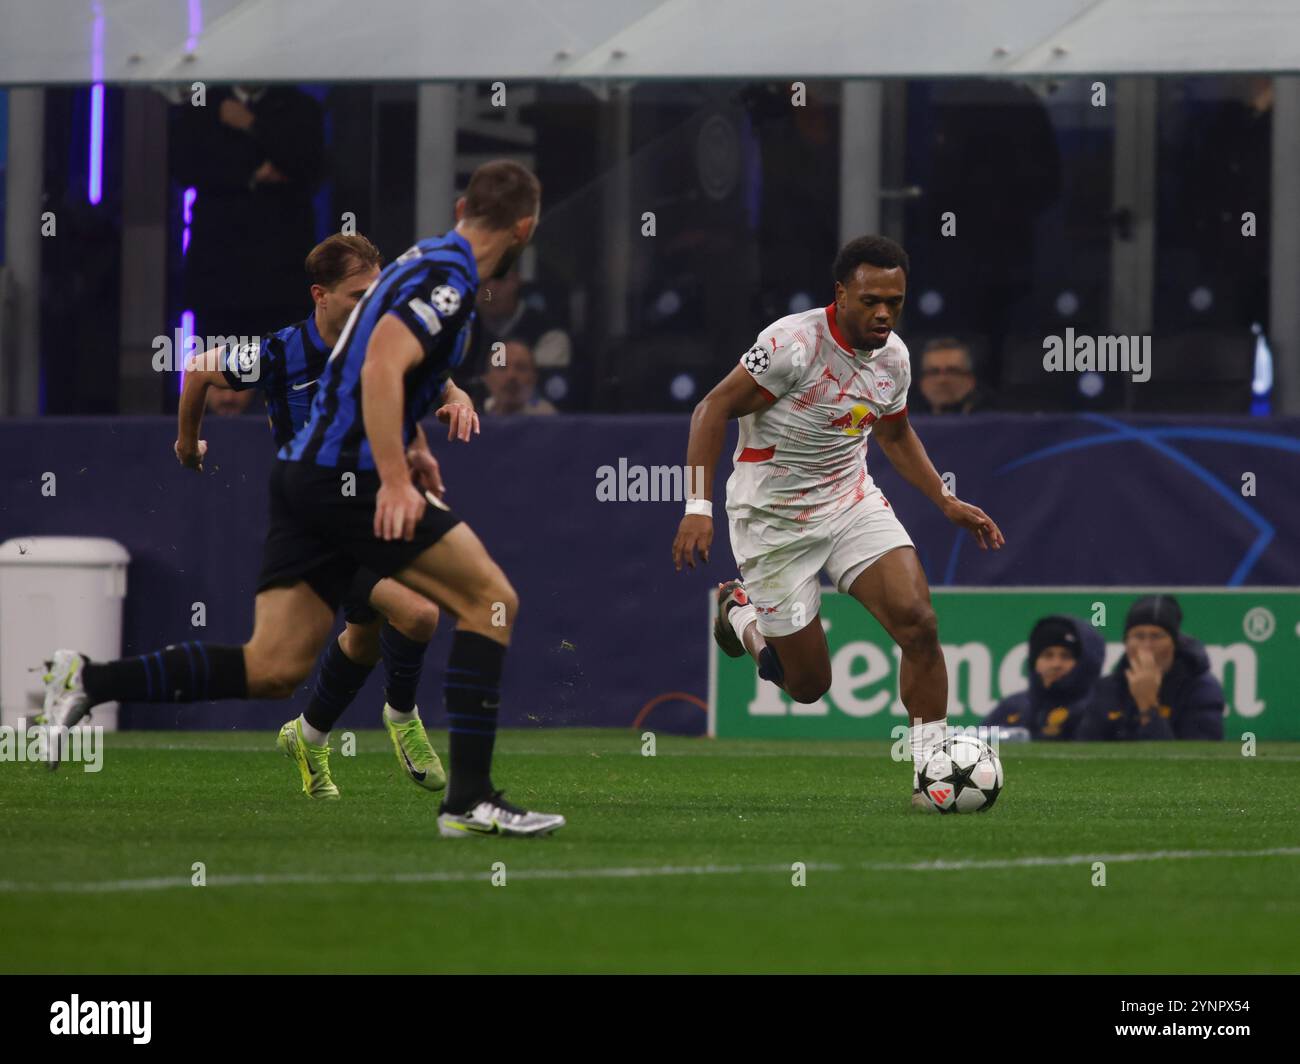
(1065, 658)
(1162, 687)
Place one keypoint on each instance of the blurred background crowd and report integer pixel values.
(729, 216)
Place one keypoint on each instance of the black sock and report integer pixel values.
(403, 661)
(473, 696)
(769, 666)
(185, 672)
(338, 679)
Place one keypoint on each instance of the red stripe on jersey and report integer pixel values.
(896, 415)
(756, 454)
(835, 331)
(813, 395)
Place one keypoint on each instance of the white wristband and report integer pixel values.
(703, 507)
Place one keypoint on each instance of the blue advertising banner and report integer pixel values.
(580, 513)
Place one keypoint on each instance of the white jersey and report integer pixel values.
(803, 457)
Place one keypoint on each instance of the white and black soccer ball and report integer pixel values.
(962, 775)
(757, 360)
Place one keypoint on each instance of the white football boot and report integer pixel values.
(495, 816)
(66, 703)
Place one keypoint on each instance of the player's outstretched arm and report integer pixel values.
(736, 395)
(903, 447)
(199, 377)
(391, 352)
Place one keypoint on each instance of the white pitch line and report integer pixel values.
(126, 886)
(1079, 858)
(113, 886)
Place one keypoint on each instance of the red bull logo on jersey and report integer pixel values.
(854, 420)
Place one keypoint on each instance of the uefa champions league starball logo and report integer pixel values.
(445, 299)
(757, 360)
(246, 357)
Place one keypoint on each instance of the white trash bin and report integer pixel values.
(57, 591)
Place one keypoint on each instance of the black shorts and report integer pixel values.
(325, 537)
(356, 600)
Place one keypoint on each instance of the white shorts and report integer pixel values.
(780, 561)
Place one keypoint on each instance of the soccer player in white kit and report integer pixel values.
(809, 392)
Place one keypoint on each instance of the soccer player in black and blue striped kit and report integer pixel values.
(285, 368)
(343, 499)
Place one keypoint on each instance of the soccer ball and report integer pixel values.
(963, 775)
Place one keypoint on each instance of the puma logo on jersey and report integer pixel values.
(845, 387)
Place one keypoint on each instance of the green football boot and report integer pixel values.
(313, 761)
(415, 753)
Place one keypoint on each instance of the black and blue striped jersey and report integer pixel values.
(431, 289)
(284, 367)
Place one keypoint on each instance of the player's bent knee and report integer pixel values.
(292, 675)
(918, 631)
(277, 680)
(277, 687)
(806, 691)
(417, 622)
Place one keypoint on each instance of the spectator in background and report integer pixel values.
(1162, 688)
(1065, 659)
(503, 314)
(511, 380)
(254, 155)
(948, 383)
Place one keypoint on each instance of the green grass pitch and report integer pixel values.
(681, 862)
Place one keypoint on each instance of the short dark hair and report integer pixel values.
(339, 256)
(500, 193)
(948, 343)
(522, 341)
(871, 250)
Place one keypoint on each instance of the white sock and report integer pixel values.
(400, 718)
(312, 735)
(924, 738)
(741, 617)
